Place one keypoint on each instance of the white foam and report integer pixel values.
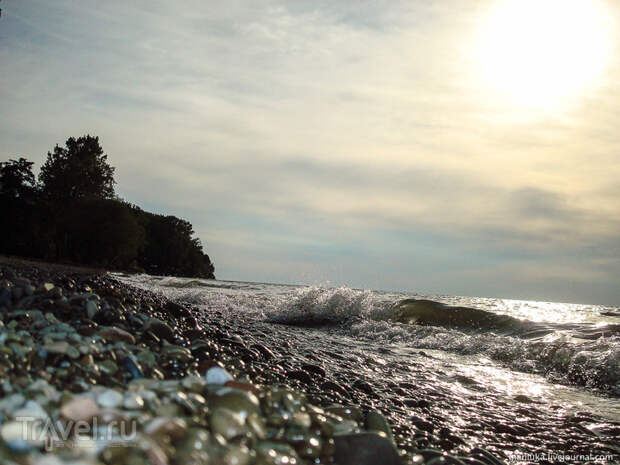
(364, 315)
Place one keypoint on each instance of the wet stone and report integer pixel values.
(133, 401)
(265, 353)
(363, 386)
(112, 333)
(194, 383)
(161, 329)
(348, 412)
(343, 427)
(240, 402)
(45, 287)
(131, 366)
(174, 428)
(21, 436)
(80, 409)
(365, 449)
(275, 453)
(110, 399)
(5, 296)
(314, 370)
(217, 375)
(375, 421)
(91, 308)
(256, 426)
(331, 386)
(107, 367)
(146, 358)
(11, 402)
(227, 423)
(21, 282)
(63, 348)
(178, 353)
(299, 375)
(422, 424)
(301, 419)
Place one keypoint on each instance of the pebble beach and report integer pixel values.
(94, 371)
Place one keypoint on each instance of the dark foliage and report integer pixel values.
(73, 216)
(79, 171)
(17, 180)
(170, 246)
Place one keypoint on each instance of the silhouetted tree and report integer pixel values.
(16, 179)
(170, 249)
(23, 233)
(103, 232)
(78, 171)
(73, 215)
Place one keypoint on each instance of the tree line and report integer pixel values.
(71, 213)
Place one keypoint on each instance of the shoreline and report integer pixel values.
(102, 350)
(161, 351)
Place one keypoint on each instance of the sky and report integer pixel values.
(462, 147)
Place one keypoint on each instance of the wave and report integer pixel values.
(586, 354)
(575, 353)
(316, 306)
(432, 313)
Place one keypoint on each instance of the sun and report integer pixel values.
(540, 52)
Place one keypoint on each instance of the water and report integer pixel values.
(488, 359)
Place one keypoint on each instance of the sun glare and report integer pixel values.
(541, 52)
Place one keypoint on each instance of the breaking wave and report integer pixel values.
(578, 353)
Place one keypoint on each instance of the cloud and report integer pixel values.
(324, 140)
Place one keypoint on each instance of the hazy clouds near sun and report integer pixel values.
(344, 142)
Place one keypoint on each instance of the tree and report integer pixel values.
(18, 203)
(169, 247)
(103, 232)
(16, 179)
(78, 171)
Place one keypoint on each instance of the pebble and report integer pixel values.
(174, 352)
(130, 364)
(300, 375)
(194, 383)
(63, 348)
(365, 449)
(375, 421)
(5, 296)
(266, 353)
(45, 287)
(21, 436)
(241, 402)
(11, 402)
(91, 308)
(80, 409)
(161, 329)
(363, 386)
(116, 334)
(173, 428)
(314, 369)
(32, 410)
(108, 367)
(217, 375)
(347, 412)
(110, 399)
(133, 401)
(227, 423)
(331, 386)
